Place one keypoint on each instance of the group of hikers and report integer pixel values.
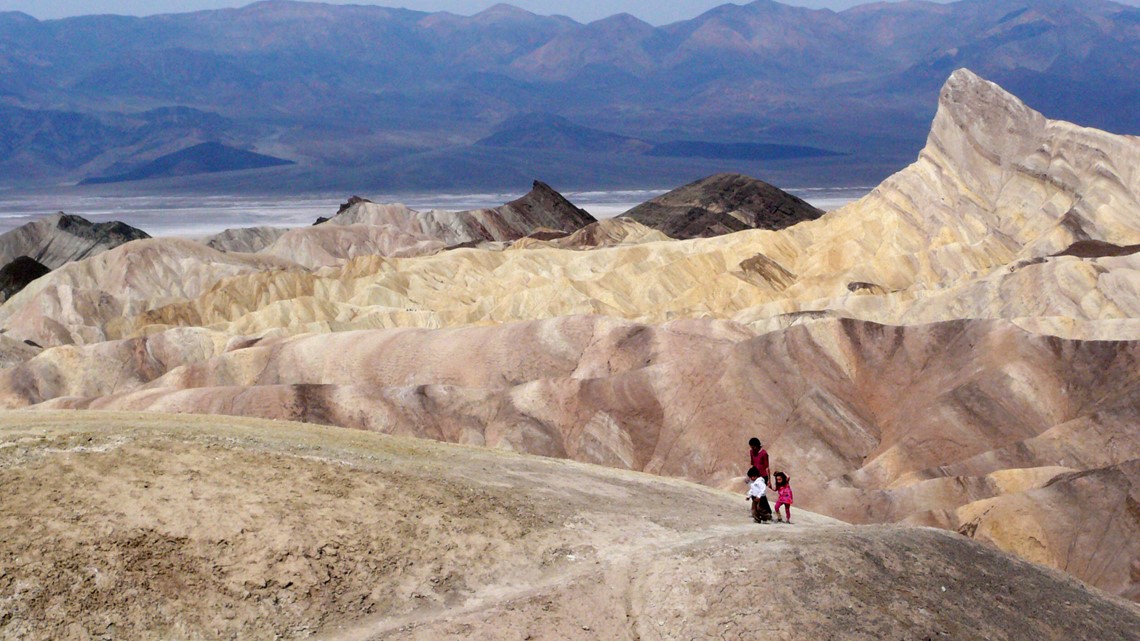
(759, 483)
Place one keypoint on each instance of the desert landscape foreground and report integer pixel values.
(958, 349)
(150, 526)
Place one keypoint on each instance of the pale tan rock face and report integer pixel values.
(244, 240)
(949, 350)
(1086, 522)
(325, 245)
(88, 301)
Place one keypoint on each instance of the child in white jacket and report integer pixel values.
(757, 488)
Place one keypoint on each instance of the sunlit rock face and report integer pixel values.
(958, 348)
(244, 239)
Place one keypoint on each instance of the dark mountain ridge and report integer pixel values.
(391, 91)
(203, 158)
(722, 204)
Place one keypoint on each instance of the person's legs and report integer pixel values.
(788, 511)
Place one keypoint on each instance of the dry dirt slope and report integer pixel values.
(132, 526)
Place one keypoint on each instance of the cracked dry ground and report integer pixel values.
(132, 526)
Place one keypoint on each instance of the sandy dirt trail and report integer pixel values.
(146, 526)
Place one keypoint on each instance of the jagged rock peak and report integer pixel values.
(113, 232)
(352, 200)
(1044, 183)
(544, 198)
(977, 116)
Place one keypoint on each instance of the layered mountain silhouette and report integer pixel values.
(382, 98)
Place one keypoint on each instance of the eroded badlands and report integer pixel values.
(958, 349)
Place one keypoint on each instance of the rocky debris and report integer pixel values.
(62, 238)
(16, 275)
(722, 204)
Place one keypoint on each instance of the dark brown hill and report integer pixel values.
(16, 275)
(62, 238)
(722, 204)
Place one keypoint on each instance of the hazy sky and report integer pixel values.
(654, 11)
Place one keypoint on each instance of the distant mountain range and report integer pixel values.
(368, 97)
(204, 158)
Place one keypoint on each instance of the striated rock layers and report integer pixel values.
(62, 238)
(363, 228)
(542, 207)
(244, 239)
(32, 250)
(722, 204)
(978, 227)
(875, 424)
(957, 349)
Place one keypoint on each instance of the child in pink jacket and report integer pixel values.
(783, 495)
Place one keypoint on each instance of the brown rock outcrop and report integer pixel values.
(722, 204)
(62, 238)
